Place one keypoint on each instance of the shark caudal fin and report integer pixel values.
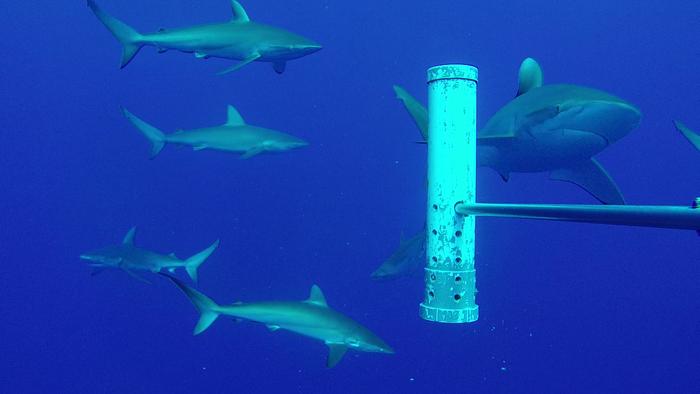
(689, 134)
(130, 39)
(207, 308)
(195, 261)
(154, 135)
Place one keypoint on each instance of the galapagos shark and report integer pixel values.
(130, 259)
(237, 39)
(233, 136)
(690, 135)
(555, 128)
(405, 260)
(311, 317)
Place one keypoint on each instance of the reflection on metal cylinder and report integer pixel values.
(450, 280)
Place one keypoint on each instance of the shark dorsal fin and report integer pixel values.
(129, 237)
(239, 14)
(529, 76)
(316, 297)
(234, 118)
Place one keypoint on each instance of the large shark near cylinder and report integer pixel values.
(555, 128)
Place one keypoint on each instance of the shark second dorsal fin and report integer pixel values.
(234, 118)
(239, 14)
(129, 237)
(316, 297)
(529, 76)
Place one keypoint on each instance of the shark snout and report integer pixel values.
(308, 48)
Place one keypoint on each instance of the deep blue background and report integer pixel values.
(564, 307)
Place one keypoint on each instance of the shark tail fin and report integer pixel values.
(130, 39)
(208, 309)
(154, 135)
(195, 261)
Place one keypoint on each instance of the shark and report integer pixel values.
(405, 260)
(132, 259)
(233, 136)
(690, 135)
(237, 39)
(556, 128)
(311, 318)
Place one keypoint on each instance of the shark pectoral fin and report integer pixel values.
(199, 147)
(129, 237)
(136, 276)
(335, 354)
(273, 327)
(245, 61)
(417, 111)
(279, 67)
(688, 133)
(252, 152)
(593, 178)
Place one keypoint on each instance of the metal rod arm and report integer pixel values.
(676, 217)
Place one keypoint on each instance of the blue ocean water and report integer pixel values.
(564, 307)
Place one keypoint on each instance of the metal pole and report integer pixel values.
(450, 278)
(628, 215)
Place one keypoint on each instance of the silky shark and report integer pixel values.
(405, 260)
(132, 259)
(238, 39)
(690, 135)
(311, 317)
(233, 136)
(555, 128)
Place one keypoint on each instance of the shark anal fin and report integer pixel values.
(279, 67)
(335, 354)
(591, 177)
(129, 237)
(242, 63)
(252, 152)
(199, 147)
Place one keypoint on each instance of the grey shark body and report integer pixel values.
(690, 135)
(554, 128)
(133, 260)
(311, 318)
(405, 260)
(238, 39)
(233, 136)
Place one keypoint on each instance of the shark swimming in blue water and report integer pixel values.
(549, 128)
(233, 136)
(237, 39)
(133, 260)
(311, 318)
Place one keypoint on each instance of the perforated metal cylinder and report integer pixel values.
(450, 278)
